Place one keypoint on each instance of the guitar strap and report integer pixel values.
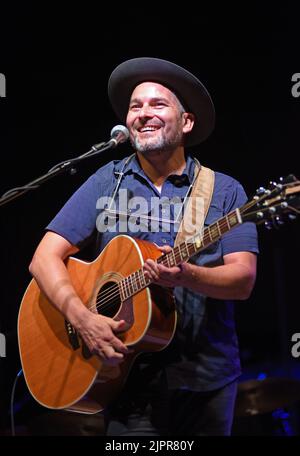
(198, 203)
(195, 206)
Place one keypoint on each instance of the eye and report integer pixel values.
(134, 107)
(160, 104)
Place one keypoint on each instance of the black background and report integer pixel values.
(57, 60)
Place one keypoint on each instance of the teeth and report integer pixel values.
(148, 129)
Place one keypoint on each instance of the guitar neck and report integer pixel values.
(137, 281)
(189, 248)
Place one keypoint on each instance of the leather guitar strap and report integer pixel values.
(197, 205)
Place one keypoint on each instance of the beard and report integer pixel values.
(158, 142)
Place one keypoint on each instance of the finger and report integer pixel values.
(119, 346)
(151, 264)
(150, 272)
(152, 275)
(165, 248)
(168, 272)
(111, 355)
(118, 325)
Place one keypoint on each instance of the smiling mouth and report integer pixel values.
(148, 129)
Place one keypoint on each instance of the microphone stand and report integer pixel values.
(67, 165)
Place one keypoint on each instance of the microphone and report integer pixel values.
(119, 134)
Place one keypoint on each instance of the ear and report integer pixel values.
(188, 120)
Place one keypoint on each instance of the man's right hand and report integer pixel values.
(99, 334)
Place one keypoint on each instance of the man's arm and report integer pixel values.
(49, 270)
(232, 280)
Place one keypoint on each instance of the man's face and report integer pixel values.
(155, 119)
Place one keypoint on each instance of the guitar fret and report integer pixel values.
(134, 284)
(182, 253)
(172, 259)
(120, 285)
(125, 290)
(186, 249)
(139, 279)
(232, 218)
(143, 278)
(209, 234)
(130, 285)
(214, 232)
(168, 260)
(227, 221)
(198, 242)
(177, 255)
(222, 226)
(206, 237)
(192, 246)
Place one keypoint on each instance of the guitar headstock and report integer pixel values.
(273, 205)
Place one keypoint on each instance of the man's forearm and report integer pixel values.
(230, 281)
(53, 279)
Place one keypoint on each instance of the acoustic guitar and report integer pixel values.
(59, 370)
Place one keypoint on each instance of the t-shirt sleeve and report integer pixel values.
(76, 221)
(243, 237)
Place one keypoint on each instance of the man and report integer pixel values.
(190, 387)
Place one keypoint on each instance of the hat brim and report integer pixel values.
(189, 90)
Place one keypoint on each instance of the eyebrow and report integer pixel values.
(155, 100)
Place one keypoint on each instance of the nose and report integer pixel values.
(145, 111)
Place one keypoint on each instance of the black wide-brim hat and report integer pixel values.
(188, 89)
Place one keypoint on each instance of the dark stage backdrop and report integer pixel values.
(57, 62)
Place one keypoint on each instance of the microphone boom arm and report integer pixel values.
(66, 165)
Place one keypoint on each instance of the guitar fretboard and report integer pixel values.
(137, 281)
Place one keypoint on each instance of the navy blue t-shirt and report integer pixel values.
(203, 354)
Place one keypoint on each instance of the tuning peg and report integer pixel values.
(268, 225)
(279, 221)
(260, 215)
(260, 191)
(292, 216)
(272, 210)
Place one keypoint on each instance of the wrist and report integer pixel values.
(187, 274)
(77, 314)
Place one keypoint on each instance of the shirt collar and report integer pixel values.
(134, 167)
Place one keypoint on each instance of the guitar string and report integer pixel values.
(109, 297)
(105, 300)
(135, 278)
(223, 220)
(133, 281)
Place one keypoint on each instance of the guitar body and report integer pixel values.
(59, 371)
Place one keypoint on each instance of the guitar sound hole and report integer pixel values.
(108, 299)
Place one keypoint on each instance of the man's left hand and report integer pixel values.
(166, 277)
